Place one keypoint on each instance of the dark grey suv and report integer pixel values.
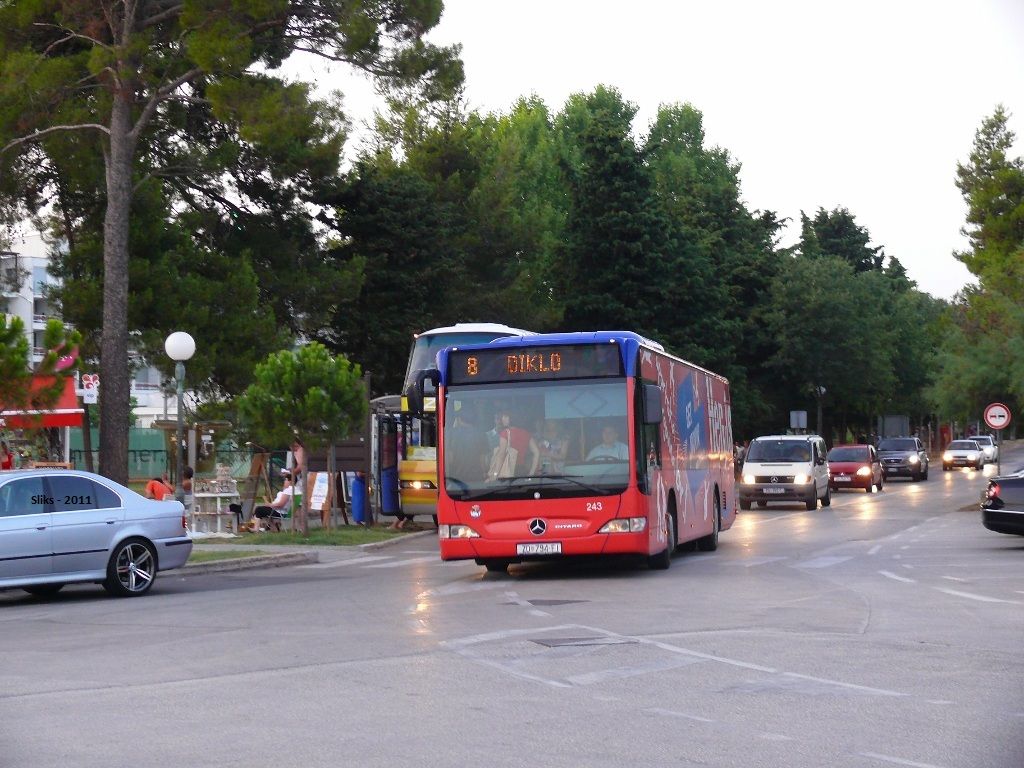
(903, 456)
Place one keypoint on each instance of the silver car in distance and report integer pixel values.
(60, 526)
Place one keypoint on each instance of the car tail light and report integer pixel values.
(184, 522)
(993, 491)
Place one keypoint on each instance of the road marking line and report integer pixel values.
(904, 579)
(908, 567)
(673, 713)
(750, 562)
(775, 737)
(515, 598)
(972, 596)
(824, 562)
(459, 642)
(874, 549)
(939, 701)
(678, 649)
(351, 561)
(410, 561)
(911, 528)
(851, 686)
(458, 589)
(896, 760)
(954, 578)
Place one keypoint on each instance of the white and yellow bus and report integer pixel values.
(417, 448)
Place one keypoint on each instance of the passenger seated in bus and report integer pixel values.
(610, 448)
(466, 452)
(553, 448)
(519, 440)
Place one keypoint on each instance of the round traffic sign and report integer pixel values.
(997, 416)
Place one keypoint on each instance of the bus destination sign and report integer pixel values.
(534, 363)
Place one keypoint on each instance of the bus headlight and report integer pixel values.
(418, 485)
(625, 525)
(456, 532)
(801, 479)
(748, 479)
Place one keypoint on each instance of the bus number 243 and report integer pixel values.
(594, 506)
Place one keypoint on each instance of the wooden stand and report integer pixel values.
(324, 505)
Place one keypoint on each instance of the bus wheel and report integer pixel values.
(663, 559)
(709, 543)
(495, 566)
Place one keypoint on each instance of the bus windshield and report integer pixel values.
(425, 349)
(556, 439)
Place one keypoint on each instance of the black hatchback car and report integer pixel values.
(1002, 508)
(903, 456)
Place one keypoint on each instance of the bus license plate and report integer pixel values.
(540, 548)
(774, 490)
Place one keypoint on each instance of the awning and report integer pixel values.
(66, 412)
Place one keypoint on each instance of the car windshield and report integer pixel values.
(767, 451)
(898, 444)
(963, 445)
(566, 438)
(847, 453)
(983, 440)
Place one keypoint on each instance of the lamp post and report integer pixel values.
(180, 347)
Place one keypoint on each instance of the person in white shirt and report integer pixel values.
(273, 513)
(610, 447)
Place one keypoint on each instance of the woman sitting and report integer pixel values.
(268, 516)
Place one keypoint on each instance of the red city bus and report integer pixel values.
(558, 445)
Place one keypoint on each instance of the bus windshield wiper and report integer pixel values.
(574, 479)
(512, 483)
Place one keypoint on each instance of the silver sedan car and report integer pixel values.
(61, 526)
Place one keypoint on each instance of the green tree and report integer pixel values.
(305, 394)
(992, 184)
(616, 254)
(119, 77)
(828, 321)
(837, 233)
(982, 356)
(727, 257)
(394, 236)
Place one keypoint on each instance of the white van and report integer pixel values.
(785, 468)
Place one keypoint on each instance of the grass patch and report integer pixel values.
(223, 554)
(335, 537)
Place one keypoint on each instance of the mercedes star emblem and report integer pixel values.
(538, 526)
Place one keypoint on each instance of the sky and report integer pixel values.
(866, 105)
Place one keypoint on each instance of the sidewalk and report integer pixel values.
(291, 554)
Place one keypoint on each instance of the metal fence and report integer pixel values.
(141, 463)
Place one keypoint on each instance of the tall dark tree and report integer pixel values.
(395, 240)
(112, 72)
(616, 265)
(837, 233)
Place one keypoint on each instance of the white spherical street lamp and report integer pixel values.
(180, 347)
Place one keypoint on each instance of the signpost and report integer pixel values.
(997, 417)
(90, 388)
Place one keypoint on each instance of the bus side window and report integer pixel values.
(648, 449)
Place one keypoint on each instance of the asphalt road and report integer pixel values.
(887, 630)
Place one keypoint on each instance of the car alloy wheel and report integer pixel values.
(132, 568)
